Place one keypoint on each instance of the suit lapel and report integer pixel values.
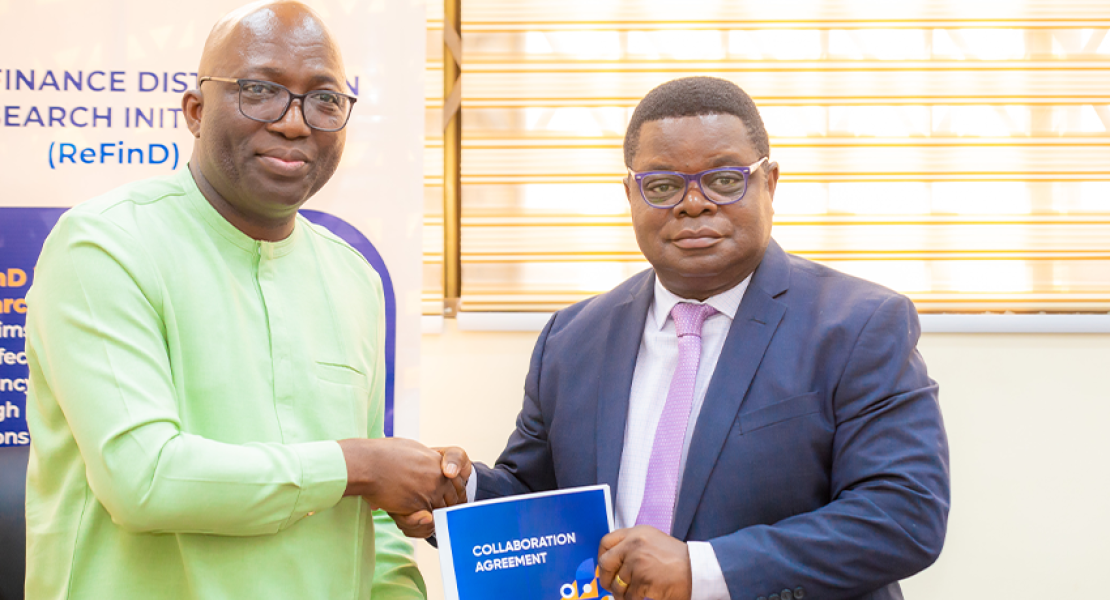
(623, 335)
(747, 341)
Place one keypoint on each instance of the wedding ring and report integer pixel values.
(620, 582)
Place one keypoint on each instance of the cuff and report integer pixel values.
(707, 579)
(323, 478)
(472, 485)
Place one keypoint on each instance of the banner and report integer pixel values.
(22, 232)
(90, 98)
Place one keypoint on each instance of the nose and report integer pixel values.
(694, 203)
(292, 124)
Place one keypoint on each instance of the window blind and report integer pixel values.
(958, 152)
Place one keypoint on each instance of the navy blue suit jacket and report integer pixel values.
(819, 460)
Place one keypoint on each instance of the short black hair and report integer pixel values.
(691, 97)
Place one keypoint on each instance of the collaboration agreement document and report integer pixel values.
(535, 546)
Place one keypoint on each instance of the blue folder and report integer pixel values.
(541, 546)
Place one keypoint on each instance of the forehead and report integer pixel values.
(283, 48)
(677, 142)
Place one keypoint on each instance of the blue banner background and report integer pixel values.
(22, 232)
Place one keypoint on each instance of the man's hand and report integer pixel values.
(456, 467)
(398, 475)
(648, 562)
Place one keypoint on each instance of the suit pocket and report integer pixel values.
(791, 408)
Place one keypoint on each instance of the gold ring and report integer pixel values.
(620, 581)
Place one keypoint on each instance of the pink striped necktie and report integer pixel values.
(661, 486)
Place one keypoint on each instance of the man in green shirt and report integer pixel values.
(207, 368)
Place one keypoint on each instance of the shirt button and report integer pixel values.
(773, 597)
(799, 593)
(786, 594)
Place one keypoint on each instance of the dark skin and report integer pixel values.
(698, 250)
(257, 175)
(405, 478)
(457, 466)
(651, 563)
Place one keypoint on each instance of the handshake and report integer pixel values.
(406, 479)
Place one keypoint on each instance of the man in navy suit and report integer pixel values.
(767, 422)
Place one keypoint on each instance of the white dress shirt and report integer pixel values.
(655, 366)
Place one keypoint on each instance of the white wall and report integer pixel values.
(1025, 415)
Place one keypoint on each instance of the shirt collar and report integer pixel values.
(727, 302)
(216, 221)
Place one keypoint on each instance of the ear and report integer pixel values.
(627, 189)
(772, 171)
(192, 106)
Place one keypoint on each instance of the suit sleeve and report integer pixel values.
(889, 490)
(525, 465)
(98, 339)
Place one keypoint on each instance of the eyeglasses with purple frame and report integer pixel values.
(720, 191)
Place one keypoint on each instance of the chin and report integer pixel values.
(278, 205)
(701, 267)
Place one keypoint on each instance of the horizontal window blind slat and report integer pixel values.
(436, 103)
(604, 205)
(747, 42)
(926, 163)
(940, 87)
(948, 303)
(527, 142)
(494, 221)
(940, 238)
(509, 28)
(929, 276)
(482, 65)
(612, 12)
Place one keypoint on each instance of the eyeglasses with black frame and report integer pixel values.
(721, 186)
(267, 102)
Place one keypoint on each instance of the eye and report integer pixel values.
(662, 186)
(329, 102)
(725, 180)
(259, 89)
